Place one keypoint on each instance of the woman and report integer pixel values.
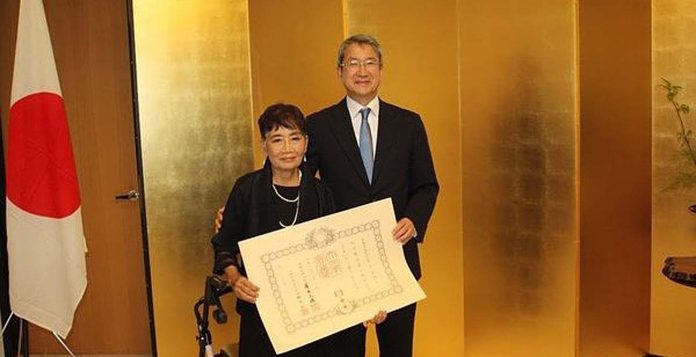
(279, 195)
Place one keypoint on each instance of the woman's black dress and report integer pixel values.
(253, 209)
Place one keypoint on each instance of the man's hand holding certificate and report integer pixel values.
(322, 276)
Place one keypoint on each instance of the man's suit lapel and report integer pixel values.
(386, 136)
(345, 136)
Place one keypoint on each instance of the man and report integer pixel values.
(365, 150)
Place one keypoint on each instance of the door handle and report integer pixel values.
(131, 195)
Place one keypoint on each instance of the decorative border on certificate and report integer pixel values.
(328, 265)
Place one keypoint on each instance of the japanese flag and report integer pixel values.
(45, 242)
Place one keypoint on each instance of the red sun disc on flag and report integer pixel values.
(41, 175)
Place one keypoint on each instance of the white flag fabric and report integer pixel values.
(45, 241)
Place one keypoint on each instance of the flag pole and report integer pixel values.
(22, 342)
(60, 340)
(20, 338)
(23, 337)
(9, 318)
(67, 349)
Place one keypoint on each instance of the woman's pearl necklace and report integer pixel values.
(295, 200)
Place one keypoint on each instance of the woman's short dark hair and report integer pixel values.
(281, 115)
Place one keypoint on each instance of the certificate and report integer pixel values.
(322, 276)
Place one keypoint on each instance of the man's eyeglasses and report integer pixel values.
(354, 65)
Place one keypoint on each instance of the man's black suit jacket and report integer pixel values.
(403, 167)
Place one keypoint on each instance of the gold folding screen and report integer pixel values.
(673, 322)
(291, 62)
(419, 40)
(519, 129)
(615, 131)
(496, 83)
(195, 108)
